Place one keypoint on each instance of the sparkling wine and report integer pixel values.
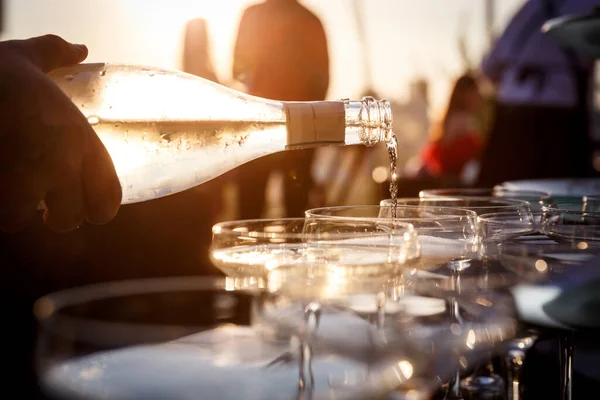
(392, 149)
(343, 259)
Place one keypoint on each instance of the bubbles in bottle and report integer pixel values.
(93, 120)
(102, 73)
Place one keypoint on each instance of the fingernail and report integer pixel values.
(80, 47)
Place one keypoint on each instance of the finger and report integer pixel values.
(65, 206)
(49, 52)
(101, 186)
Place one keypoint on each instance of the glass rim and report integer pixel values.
(51, 303)
(594, 197)
(455, 213)
(490, 216)
(225, 228)
(495, 189)
(542, 249)
(556, 208)
(500, 201)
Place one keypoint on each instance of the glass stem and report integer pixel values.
(566, 348)
(454, 384)
(306, 379)
(514, 364)
(381, 298)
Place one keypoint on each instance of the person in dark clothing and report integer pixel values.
(543, 101)
(280, 54)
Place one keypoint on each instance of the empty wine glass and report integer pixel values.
(171, 338)
(495, 228)
(569, 223)
(541, 263)
(419, 343)
(591, 203)
(447, 236)
(536, 199)
(488, 290)
(480, 205)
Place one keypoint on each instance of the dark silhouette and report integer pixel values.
(281, 54)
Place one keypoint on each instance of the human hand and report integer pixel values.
(48, 150)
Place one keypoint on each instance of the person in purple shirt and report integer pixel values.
(543, 100)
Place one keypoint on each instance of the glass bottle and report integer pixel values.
(168, 131)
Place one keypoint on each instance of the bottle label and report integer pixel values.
(316, 123)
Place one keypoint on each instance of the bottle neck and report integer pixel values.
(368, 121)
(310, 124)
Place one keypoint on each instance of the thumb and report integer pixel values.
(49, 52)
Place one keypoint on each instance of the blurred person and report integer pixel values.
(541, 117)
(456, 140)
(196, 50)
(281, 54)
(207, 199)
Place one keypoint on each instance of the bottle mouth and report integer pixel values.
(377, 120)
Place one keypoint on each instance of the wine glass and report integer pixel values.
(541, 263)
(591, 203)
(480, 205)
(356, 257)
(536, 199)
(495, 228)
(171, 338)
(419, 341)
(568, 222)
(447, 236)
(488, 290)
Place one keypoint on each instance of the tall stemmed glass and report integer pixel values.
(447, 236)
(418, 346)
(591, 203)
(571, 223)
(493, 229)
(541, 263)
(328, 261)
(492, 209)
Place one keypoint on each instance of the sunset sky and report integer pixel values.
(406, 38)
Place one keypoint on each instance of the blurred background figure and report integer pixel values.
(196, 50)
(281, 54)
(196, 60)
(542, 117)
(456, 140)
